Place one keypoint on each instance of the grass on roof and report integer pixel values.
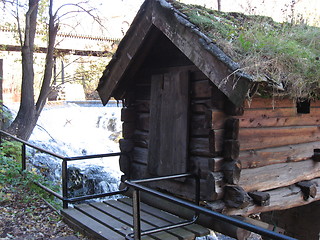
(287, 54)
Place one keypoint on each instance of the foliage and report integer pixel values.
(283, 53)
(88, 74)
(12, 175)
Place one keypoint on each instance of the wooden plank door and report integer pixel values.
(169, 118)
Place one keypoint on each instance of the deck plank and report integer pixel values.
(195, 228)
(180, 233)
(120, 227)
(98, 230)
(108, 208)
(113, 220)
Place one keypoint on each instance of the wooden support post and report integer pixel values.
(236, 197)
(260, 198)
(308, 188)
(231, 171)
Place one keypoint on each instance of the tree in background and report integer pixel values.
(30, 109)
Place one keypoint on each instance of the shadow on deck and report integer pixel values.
(113, 220)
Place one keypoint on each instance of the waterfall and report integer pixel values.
(74, 129)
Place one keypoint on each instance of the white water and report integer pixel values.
(70, 129)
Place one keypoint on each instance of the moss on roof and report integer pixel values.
(284, 54)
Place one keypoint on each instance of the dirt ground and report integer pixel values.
(30, 218)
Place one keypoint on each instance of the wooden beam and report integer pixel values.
(278, 175)
(280, 199)
(267, 156)
(257, 138)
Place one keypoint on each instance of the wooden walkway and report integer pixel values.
(113, 220)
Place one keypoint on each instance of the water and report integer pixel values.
(77, 129)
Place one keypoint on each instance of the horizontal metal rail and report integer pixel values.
(208, 212)
(58, 155)
(65, 160)
(136, 206)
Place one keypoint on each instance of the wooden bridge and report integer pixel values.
(113, 220)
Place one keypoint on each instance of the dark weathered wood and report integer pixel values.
(154, 220)
(231, 129)
(200, 147)
(141, 138)
(278, 175)
(142, 106)
(215, 164)
(112, 208)
(142, 122)
(128, 129)
(128, 115)
(203, 220)
(98, 230)
(140, 155)
(308, 188)
(126, 145)
(155, 116)
(214, 185)
(231, 171)
(260, 198)
(255, 138)
(204, 54)
(232, 109)
(280, 199)
(316, 155)
(196, 229)
(168, 140)
(200, 106)
(124, 163)
(231, 149)
(198, 75)
(268, 156)
(236, 197)
(129, 48)
(201, 89)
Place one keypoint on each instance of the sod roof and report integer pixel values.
(282, 57)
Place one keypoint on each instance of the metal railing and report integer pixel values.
(137, 187)
(64, 176)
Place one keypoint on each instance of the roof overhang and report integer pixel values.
(199, 48)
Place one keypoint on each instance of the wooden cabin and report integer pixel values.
(185, 109)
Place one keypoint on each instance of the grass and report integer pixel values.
(283, 53)
(12, 176)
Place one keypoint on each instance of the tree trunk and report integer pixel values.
(25, 120)
(45, 88)
(29, 112)
(1, 96)
(219, 5)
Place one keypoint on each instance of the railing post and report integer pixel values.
(64, 183)
(23, 157)
(136, 214)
